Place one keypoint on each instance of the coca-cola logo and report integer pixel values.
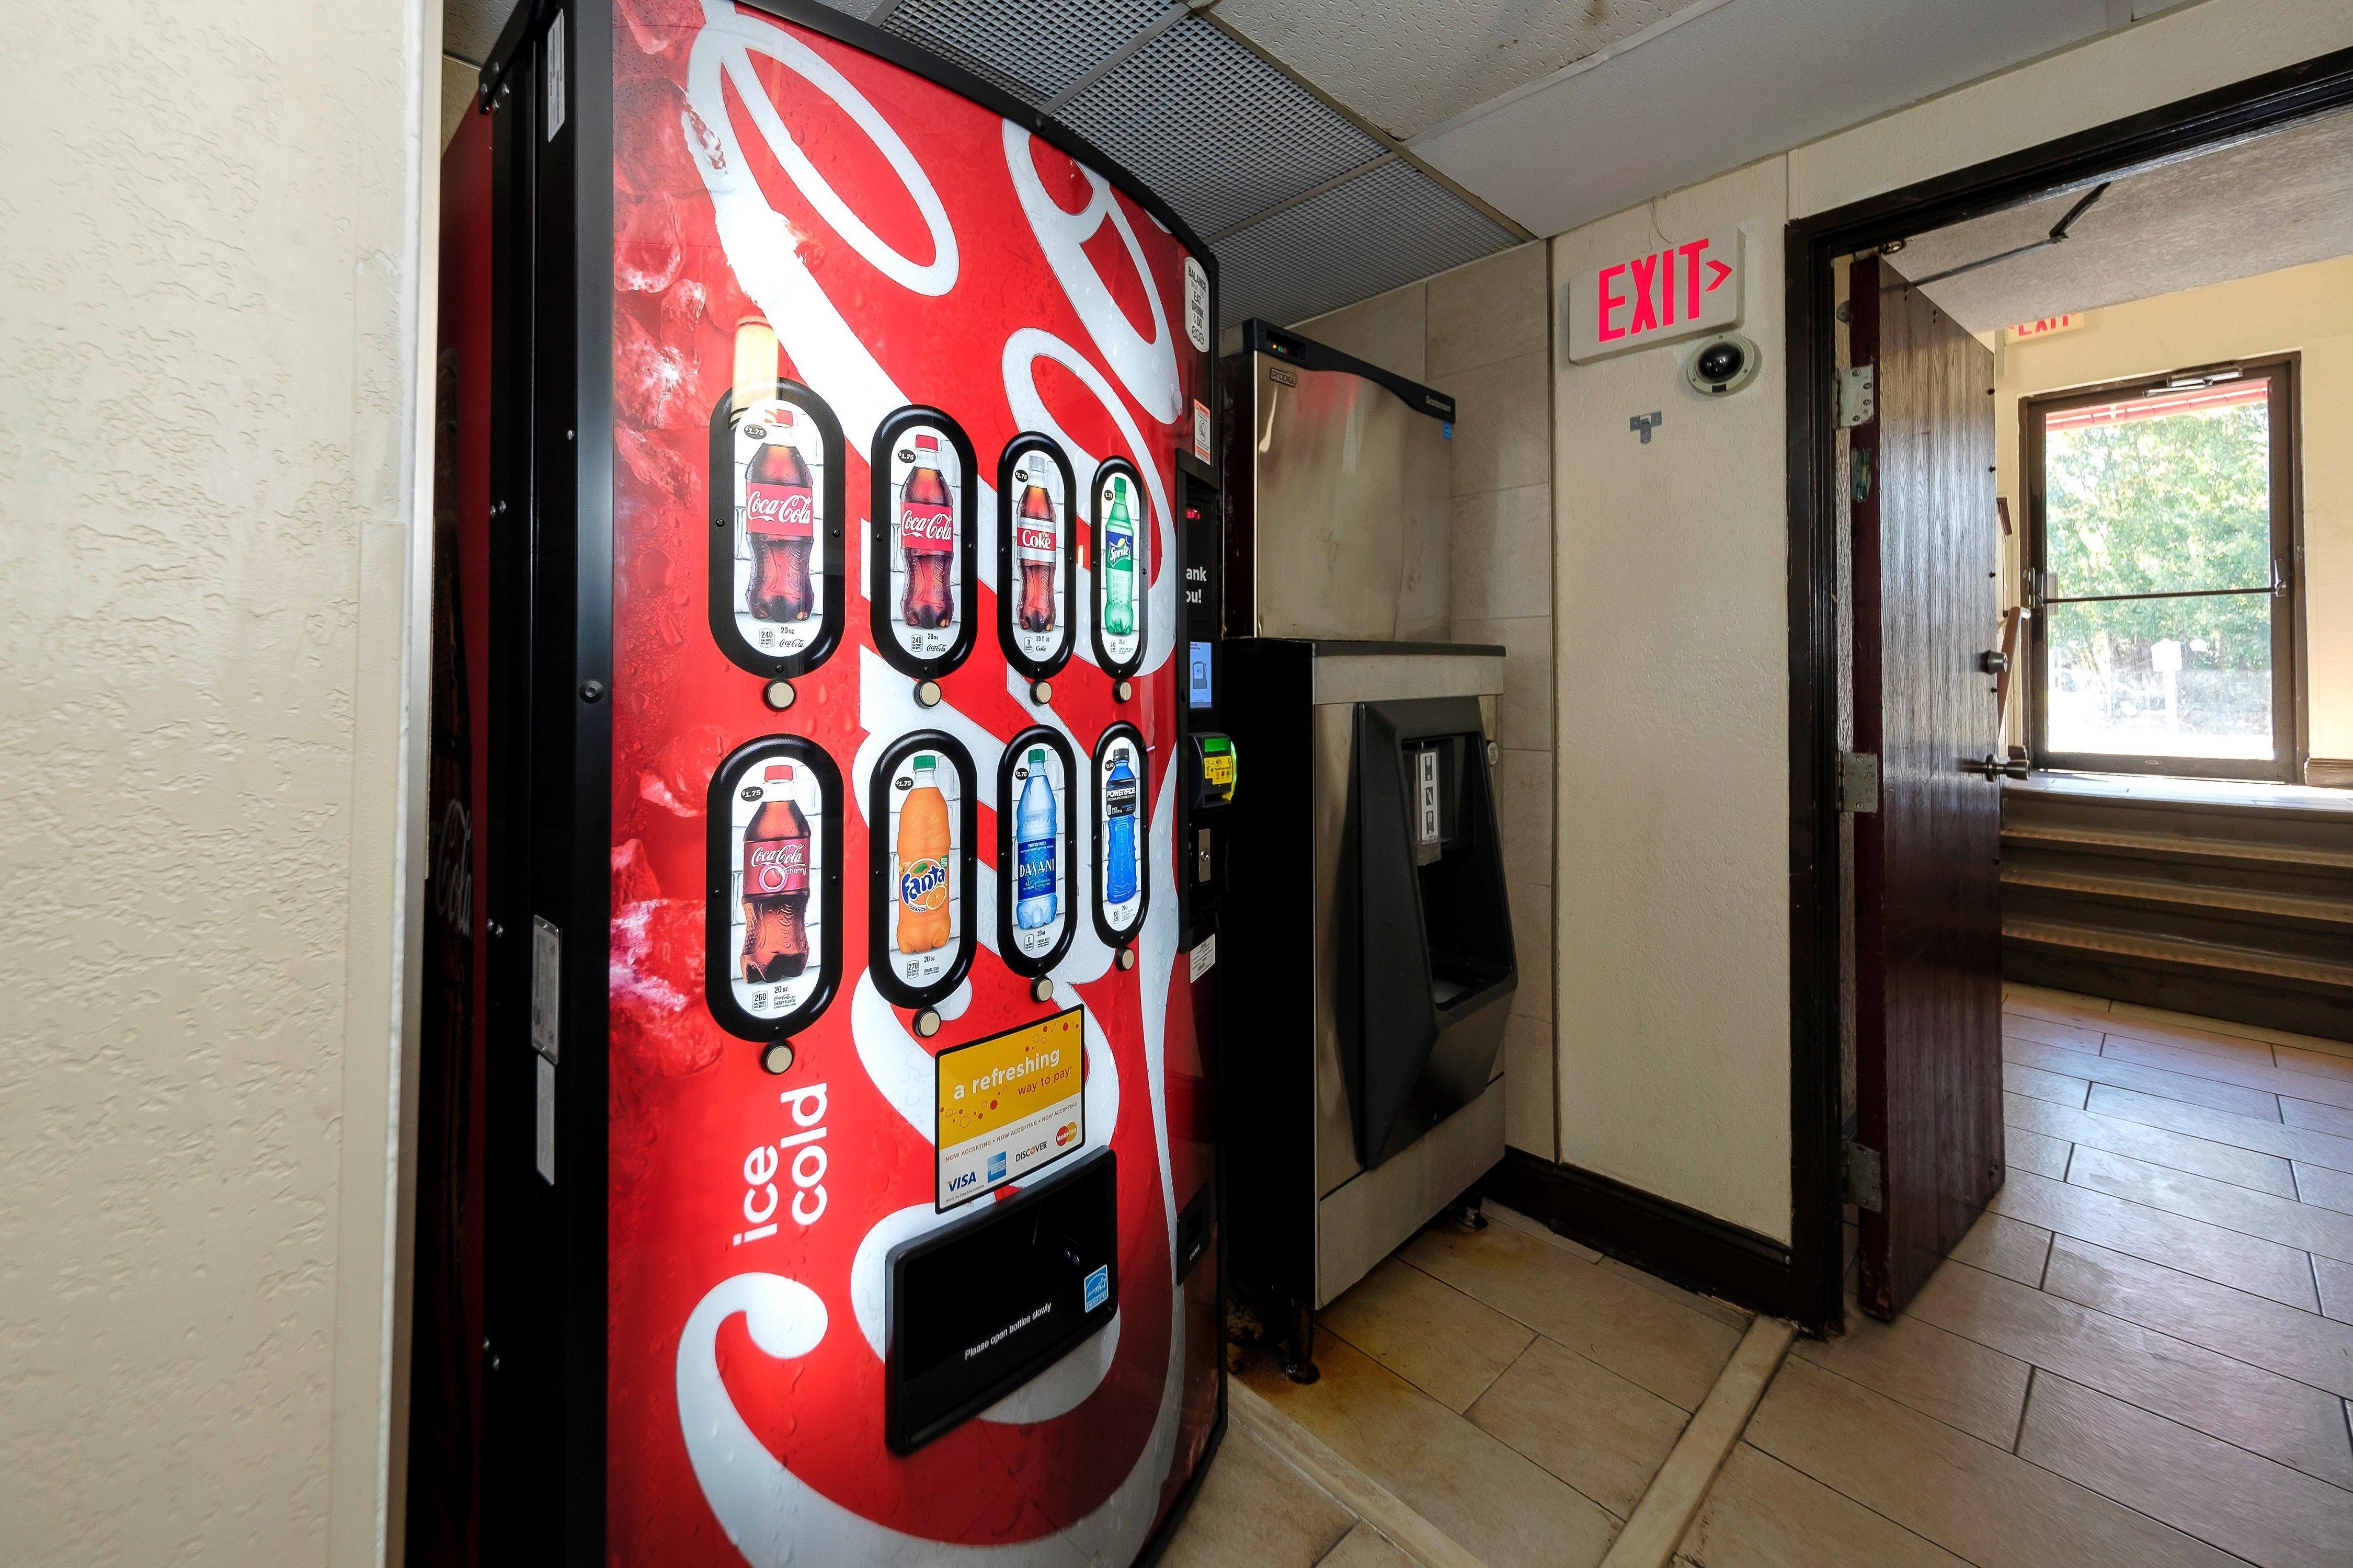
(780, 509)
(929, 528)
(778, 866)
(1037, 541)
(923, 885)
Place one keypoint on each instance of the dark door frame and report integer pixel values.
(2237, 112)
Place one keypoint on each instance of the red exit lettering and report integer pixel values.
(1655, 301)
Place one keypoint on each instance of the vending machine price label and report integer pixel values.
(1011, 1106)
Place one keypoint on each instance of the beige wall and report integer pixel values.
(1479, 332)
(1673, 660)
(208, 354)
(2306, 308)
(1671, 1005)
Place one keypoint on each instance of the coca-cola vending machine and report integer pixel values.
(852, 844)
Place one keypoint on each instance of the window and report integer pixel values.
(2161, 574)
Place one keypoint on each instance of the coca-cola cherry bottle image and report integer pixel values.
(775, 883)
(780, 518)
(1033, 547)
(927, 539)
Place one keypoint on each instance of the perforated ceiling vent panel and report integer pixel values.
(1386, 227)
(1034, 50)
(1214, 131)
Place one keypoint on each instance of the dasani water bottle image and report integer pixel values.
(1033, 849)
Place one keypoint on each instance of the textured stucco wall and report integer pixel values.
(208, 299)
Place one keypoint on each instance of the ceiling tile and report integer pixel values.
(1364, 236)
(1214, 131)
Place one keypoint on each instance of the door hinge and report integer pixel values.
(1860, 1181)
(1858, 781)
(1858, 395)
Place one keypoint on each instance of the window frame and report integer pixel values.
(2283, 409)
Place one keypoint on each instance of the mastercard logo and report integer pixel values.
(1069, 1131)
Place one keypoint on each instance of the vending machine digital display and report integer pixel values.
(852, 1184)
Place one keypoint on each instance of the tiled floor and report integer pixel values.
(2127, 1361)
(2142, 1356)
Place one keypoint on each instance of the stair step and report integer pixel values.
(2175, 847)
(2298, 907)
(2212, 958)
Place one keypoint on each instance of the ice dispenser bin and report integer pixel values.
(1436, 968)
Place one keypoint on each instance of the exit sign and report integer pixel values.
(2048, 325)
(1678, 290)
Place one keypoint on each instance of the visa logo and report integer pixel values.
(959, 1183)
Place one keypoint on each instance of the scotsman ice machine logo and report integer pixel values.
(756, 91)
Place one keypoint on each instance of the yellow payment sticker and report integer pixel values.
(1009, 1106)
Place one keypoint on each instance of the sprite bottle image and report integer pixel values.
(1119, 565)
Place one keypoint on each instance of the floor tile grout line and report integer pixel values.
(2118, 1115)
(1971, 1436)
(1363, 1497)
(1679, 1488)
(2169, 1214)
(2034, 1368)
(2163, 1333)
(2160, 1165)
(2201, 1219)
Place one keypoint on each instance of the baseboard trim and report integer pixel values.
(1677, 1243)
(2329, 772)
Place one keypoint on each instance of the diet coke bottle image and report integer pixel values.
(779, 517)
(926, 540)
(775, 883)
(1034, 529)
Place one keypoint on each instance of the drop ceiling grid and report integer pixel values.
(1036, 49)
(1386, 227)
(1213, 130)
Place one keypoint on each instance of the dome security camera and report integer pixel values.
(1723, 365)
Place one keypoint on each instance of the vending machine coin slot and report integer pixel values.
(771, 935)
(919, 545)
(921, 818)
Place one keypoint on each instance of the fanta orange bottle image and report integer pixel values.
(924, 914)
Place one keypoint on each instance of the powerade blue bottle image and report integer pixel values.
(1033, 849)
(1118, 841)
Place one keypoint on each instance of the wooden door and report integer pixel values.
(1926, 889)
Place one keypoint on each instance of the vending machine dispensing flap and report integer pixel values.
(984, 1304)
(1436, 965)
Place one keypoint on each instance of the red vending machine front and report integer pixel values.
(851, 1194)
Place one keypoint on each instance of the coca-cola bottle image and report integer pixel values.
(927, 539)
(1034, 530)
(775, 883)
(780, 519)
